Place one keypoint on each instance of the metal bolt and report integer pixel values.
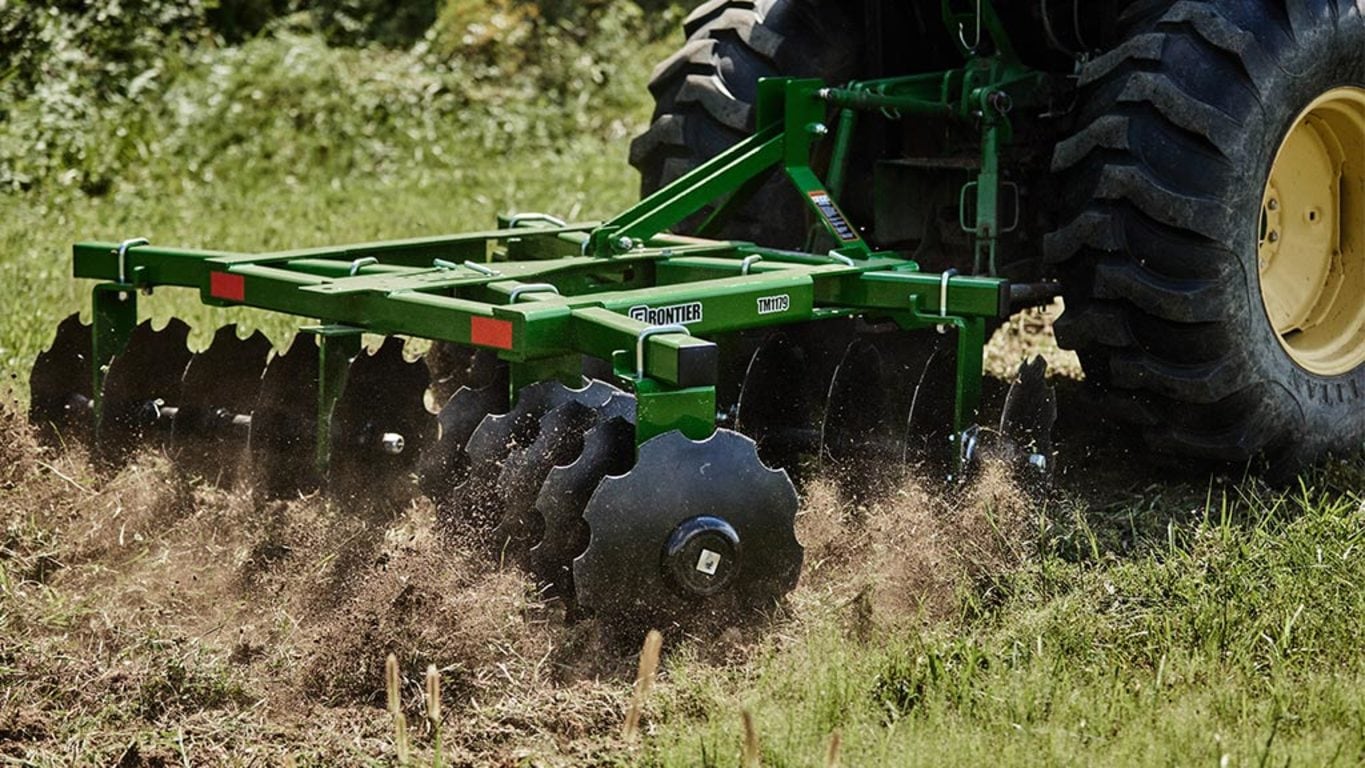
(391, 443)
(1273, 205)
(1273, 237)
(624, 244)
(819, 129)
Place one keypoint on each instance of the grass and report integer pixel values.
(1232, 642)
(1147, 618)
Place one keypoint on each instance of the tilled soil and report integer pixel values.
(148, 618)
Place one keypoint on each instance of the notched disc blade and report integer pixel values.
(219, 391)
(381, 405)
(477, 502)
(632, 517)
(559, 440)
(608, 449)
(60, 386)
(486, 369)
(284, 423)
(449, 366)
(141, 379)
(445, 464)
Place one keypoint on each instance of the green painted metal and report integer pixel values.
(113, 320)
(544, 294)
(337, 346)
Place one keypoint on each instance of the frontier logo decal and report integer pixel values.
(771, 305)
(678, 314)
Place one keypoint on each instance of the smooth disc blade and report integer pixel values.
(929, 421)
(854, 430)
(773, 410)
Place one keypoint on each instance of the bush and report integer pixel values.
(113, 91)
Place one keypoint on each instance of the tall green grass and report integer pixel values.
(1227, 633)
(286, 141)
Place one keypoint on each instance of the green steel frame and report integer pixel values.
(543, 292)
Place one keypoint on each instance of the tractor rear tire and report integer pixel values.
(1172, 218)
(705, 94)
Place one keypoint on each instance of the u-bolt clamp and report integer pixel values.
(653, 330)
(943, 297)
(531, 288)
(123, 256)
(962, 32)
(543, 218)
(839, 257)
(365, 262)
(748, 263)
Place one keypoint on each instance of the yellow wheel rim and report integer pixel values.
(1312, 236)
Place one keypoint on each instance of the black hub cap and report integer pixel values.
(702, 556)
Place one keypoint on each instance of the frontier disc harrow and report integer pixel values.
(619, 407)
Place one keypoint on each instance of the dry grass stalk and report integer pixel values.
(644, 678)
(749, 757)
(400, 723)
(836, 742)
(433, 695)
(434, 709)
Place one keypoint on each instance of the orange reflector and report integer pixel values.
(488, 332)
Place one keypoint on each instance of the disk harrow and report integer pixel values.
(621, 410)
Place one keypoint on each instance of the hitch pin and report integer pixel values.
(481, 269)
(943, 297)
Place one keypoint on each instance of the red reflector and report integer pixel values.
(487, 332)
(227, 286)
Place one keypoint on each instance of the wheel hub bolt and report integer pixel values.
(391, 443)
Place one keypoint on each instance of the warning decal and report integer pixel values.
(834, 218)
